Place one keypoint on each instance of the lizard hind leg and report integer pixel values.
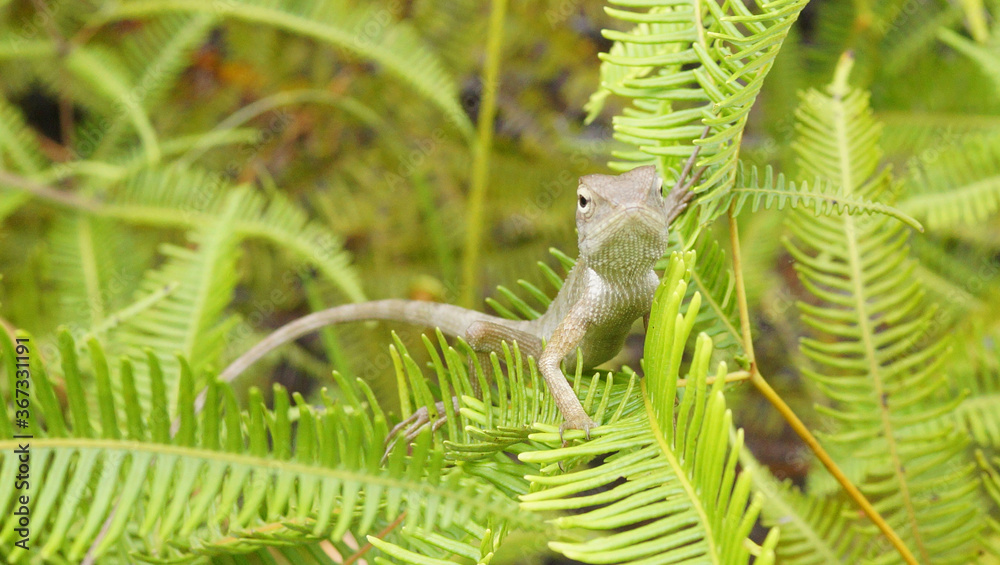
(485, 337)
(407, 430)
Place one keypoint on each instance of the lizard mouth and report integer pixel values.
(637, 216)
(632, 222)
(643, 211)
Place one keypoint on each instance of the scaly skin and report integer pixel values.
(622, 223)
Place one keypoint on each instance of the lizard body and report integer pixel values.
(622, 224)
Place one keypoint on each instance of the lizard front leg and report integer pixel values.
(567, 336)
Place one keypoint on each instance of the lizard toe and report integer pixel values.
(408, 430)
(583, 423)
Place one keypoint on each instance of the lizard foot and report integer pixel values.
(410, 428)
(577, 423)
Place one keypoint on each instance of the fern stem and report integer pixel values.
(481, 159)
(90, 269)
(838, 90)
(115, 319)
(793, 420)
(734, 377)
(690, 490)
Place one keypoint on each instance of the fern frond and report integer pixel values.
(190, 198)
(230, 482)
(523, 417)
(814, 530)
(873, 349)
(156, 55)
(615, 76)
(681, 497)
(977, 373)
(105, 75)
(452, 26)
(667, 488)
(911, 133)
(371, 33)
(960, 187)
(83, 267)
(712, 277)
(985, 56)
(712, 274)
(420, 546)
(835, 33)
(685, 66)
(990, 471)
(913, 33)
(189, 320)
(956, 277)
(19, 149)
(823, 197)
(132, 310)
(516, 308)
(300, 554)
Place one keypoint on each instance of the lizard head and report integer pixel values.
(622, 220)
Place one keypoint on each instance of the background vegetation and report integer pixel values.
(179, 177)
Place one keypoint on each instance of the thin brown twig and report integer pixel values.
(66, 199)
(381, 535)
(90, 557)
(689, 164)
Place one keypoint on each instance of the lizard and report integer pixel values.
(622, 227)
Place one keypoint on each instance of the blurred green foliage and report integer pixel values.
(184, 176)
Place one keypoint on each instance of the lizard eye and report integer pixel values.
(584, 201)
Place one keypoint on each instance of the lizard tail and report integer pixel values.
(452, 320)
